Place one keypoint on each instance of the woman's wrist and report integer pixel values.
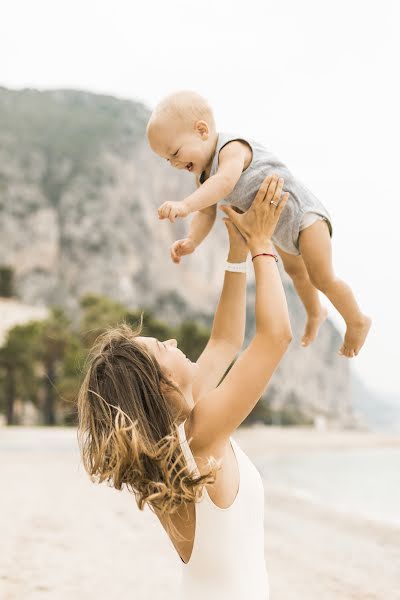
(236, 255)
(260, 246)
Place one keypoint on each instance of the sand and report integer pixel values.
(62, 537)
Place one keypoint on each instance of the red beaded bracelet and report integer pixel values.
(265, 254)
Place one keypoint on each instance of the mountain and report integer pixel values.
(380, 412)
(79, 189)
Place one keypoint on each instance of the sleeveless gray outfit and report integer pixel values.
(300, 202)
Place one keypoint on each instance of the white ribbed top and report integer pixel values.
(227, 561)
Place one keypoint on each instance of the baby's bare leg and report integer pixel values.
(316, 250)
(316, 314)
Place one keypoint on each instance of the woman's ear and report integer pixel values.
(166, 387)
(202, 129)
(171, 395)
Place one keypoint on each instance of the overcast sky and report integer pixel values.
(317, 82)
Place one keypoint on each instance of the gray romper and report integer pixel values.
(300, 201)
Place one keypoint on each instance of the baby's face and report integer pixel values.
(184, 147)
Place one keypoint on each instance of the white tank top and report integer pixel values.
(227, 560)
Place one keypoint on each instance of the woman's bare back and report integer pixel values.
(222, 493)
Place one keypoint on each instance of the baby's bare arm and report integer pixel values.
(231, 163)
(202, 223)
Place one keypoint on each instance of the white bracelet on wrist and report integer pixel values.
(236, 267)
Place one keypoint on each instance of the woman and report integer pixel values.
(151, 419)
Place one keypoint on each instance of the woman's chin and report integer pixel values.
(194, 367)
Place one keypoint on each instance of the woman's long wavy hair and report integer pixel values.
(127, 430)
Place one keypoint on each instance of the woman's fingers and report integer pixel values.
(273, 189)
(236, 220)
(278, 190)
(281, 204)
(233, 231)
(262, 192)
(229, 225)
(228, 210)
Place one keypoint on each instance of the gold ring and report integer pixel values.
(272, 202)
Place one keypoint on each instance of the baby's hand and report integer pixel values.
(171, 210)
(180, 248)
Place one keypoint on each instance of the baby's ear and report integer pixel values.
(202, 128)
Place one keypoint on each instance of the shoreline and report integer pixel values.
(63, 536)
(277, 439)
(353, 518)
(305, 435)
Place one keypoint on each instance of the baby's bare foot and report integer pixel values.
(355, 337)
(312, 326)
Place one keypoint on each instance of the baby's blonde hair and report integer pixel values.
(186, 106)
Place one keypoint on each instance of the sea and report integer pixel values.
(364, 482)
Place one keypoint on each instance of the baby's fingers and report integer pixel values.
(163, 211)
(175, 258)
(174, 255)
(168, 214)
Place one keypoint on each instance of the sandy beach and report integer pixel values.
(62, 537)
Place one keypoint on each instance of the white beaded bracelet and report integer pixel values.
(236, 267)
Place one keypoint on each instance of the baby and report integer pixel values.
(231, 168)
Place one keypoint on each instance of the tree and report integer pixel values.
(54, 335)
(6, 281)
(152, 326)
(70, 378)
(17, 362)
(99, 312)
(192, 338)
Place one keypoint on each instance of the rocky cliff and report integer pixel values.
(79, 190)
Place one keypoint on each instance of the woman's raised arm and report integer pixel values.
(227, 332)
(218, 414)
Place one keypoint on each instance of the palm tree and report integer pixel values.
(17, 363)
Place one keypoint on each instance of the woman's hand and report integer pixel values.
(238, 249)
(258, 223)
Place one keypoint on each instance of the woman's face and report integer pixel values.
(173, 361)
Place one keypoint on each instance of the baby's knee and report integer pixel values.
(295, 271)
(322, 281)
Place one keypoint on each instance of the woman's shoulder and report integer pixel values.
(217, 447)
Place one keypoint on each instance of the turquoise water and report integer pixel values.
(365, 482)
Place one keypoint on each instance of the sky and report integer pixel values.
(316, 82)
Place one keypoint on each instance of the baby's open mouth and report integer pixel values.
(189, 166)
